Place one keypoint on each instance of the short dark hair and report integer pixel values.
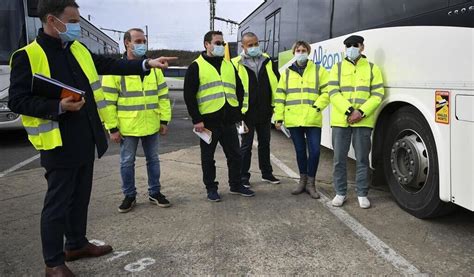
(128, 35)
(249, 34)
(54, 7)
(208, 36)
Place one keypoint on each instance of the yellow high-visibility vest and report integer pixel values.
(214, 89)
(45, 134)
(244, 77)
(358, 86)
(138, 106)
(299, 100)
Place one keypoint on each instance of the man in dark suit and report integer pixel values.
(69, 163)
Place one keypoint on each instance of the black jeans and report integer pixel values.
(263, 136)
(227, 136)
(65, 211)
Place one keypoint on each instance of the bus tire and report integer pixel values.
(411, 164)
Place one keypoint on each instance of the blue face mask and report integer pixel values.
(218, 51)
(352, 53)
(139, 50)
(301, 58)
(254, 52)
(73, 31)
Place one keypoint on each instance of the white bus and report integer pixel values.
(423, 142)
(174, 76)
(19, 26)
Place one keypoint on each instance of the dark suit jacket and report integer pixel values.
(81, 131)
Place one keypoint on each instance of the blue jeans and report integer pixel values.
(341, 142)
(307, 165)
(128, 150)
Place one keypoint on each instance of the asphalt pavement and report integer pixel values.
(273, 233)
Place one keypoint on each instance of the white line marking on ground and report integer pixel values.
(380, 247)
(19, 165)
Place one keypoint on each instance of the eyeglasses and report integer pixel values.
(219, 43)
(356, 45)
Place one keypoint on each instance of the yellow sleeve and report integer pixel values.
(164, 103)
(111, 89)
(335, 96)
(323, 100)
(280, 98)
(376, 94)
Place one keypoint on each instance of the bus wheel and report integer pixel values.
(411, 164)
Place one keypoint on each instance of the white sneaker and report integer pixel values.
(364, 202)
(339, 200)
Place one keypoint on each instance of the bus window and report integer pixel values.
(12, 28)
(346, 17)
(386, 11)
(175, 72)
(314, 19)
(272, 34)
(455, 2)
(33, 24)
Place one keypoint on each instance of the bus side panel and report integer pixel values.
(462, 148)
(412, 76)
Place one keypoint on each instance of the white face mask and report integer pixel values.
(301, 57)
(352, 53)
(218, 51)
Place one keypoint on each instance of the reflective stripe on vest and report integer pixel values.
(351, 89)
(315, 89)
(243, 74)
(131, 100)
(215, 89)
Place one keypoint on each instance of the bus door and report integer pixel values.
(272, 34)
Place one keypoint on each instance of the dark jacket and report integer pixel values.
(227, 114)
(81, 131)
(260, 95)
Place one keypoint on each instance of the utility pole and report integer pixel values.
(213, 16)
(146, 33)
(213, 13)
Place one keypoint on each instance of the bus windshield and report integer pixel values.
(12, 21)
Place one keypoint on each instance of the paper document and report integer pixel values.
(205, 135)
(242, 128)
(285, 131)
(51, 88)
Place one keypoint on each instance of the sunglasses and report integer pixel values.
(356, 45)
(219, 43)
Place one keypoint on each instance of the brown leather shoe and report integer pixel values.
(88, 251)
(58, 271)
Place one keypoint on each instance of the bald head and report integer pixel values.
(249, 35)
(249, 40)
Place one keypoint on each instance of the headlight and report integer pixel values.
(4, 107)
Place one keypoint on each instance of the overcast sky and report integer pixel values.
(172, 24)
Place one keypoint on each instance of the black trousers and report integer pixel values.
(227, 136)
(263, 137)
(65, 211)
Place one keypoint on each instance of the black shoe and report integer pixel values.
(242, 191)
(127, 204)
(246, 183)
(213, 196)
(159, 199)
(270, 179)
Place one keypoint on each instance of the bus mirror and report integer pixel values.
(32, 8)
